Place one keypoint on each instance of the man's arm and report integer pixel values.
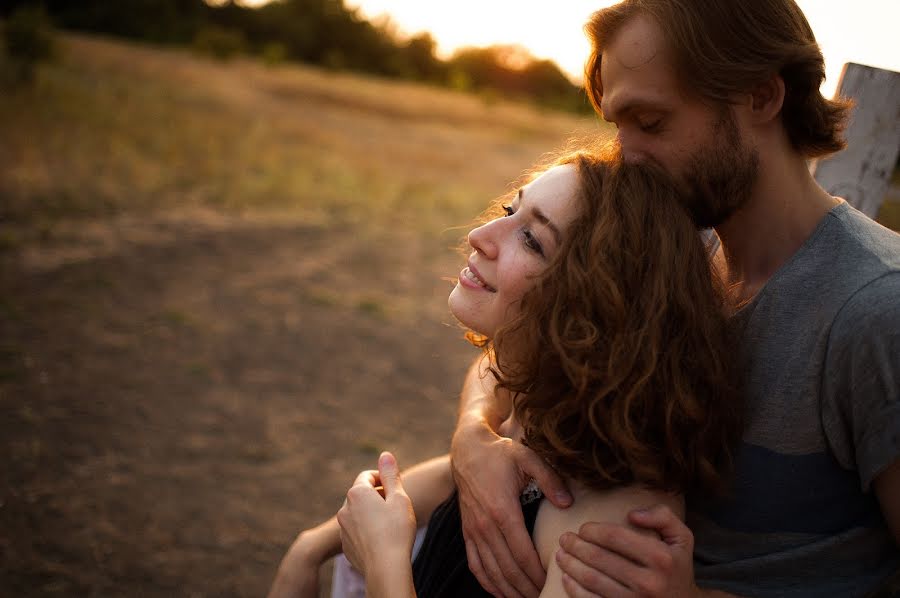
(490, 472)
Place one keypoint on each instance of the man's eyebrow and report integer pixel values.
(542, 218)
(629, 105)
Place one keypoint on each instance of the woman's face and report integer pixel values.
(509, 252)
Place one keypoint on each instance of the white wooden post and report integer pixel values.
(861, 173)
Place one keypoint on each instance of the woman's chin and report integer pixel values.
(461, 309)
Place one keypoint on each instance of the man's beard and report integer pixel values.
(719, 178)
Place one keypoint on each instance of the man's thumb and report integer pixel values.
(550, 483)
(389, 474)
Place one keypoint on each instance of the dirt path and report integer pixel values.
(176, 407)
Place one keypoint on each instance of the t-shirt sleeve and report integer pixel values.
(861, 380)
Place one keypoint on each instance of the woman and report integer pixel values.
(605, 333)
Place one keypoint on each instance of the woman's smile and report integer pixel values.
(471, 278)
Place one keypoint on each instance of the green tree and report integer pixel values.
(28, 40)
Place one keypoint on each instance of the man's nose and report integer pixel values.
(629, 149)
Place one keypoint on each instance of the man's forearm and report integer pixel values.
(480, 403)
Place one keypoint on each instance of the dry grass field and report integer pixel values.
(221, 295)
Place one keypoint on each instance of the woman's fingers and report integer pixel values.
(389, 475)
(368, 477)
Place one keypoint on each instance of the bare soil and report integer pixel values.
(182, 393)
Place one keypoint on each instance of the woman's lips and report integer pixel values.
(469, 277)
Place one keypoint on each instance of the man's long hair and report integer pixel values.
(619, 357)
(725, 47)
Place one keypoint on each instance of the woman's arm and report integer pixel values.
(610, 506)
(428, 484)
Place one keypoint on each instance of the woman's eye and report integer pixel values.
(532, 243)
(508, 209)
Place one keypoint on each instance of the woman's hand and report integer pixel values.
(378, 530)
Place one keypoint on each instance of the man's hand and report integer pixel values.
(490, 473)
(612, 560)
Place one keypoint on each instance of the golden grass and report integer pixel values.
(115, 127)
(118, 127)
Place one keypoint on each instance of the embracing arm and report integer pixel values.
(490, 472)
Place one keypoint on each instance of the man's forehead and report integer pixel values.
(639, 42)
(636, 70)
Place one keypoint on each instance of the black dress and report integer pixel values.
(441, 568)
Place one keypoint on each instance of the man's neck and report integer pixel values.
(785, 208)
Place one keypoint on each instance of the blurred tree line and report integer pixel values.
(320, 32)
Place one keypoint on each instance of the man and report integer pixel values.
(724, 95)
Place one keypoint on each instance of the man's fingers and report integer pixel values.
(477, 568)
(661, 519)
(389, 474)
(550, 483)
(584, 580)
(574, 590)
(524, 557)
(631, 544)
(495, 573)
(511, 569)
(622, 570)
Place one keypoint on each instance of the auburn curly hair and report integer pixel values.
(618, 359)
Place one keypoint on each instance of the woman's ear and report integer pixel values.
(766, 99)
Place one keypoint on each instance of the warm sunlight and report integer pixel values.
(865, 33)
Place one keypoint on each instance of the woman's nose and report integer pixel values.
(483, 239)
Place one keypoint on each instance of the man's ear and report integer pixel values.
(766, 99)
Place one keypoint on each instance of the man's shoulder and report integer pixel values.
(858, 240)
(872, 311)
(866, 255)
(846, 253)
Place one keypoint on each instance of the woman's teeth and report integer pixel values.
(471, 276)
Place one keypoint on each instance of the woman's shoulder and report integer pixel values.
(607, 506)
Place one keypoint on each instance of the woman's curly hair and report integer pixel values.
(618, 359)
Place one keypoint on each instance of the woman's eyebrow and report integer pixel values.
(542, 218)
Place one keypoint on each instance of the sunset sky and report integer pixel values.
(863, 31)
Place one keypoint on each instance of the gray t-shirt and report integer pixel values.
(820, 356)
